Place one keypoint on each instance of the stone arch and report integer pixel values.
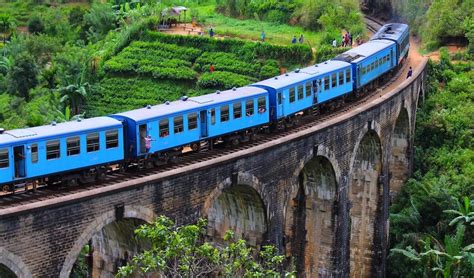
(238, 206)
(365, 195)
(14, 263)
(310, 216)
(400, 152)
(96, 226)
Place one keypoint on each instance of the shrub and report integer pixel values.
(327, 52)
(223, 80)
(225, 62)
(35, 25)
(269, 69)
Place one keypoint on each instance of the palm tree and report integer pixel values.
(6, 25)
(6, 64)
(74, 95)
(464, 213)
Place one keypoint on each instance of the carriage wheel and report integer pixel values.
(6, 188)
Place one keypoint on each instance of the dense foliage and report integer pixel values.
(183, 252)
(427, 241)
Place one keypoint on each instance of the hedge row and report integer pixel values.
(185, 53)
(328, 52)
(223, 80)
(248, 51)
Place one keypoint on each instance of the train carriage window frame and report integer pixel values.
(192, 121)
(341, 77)
(34, 153)
(334, 80)
(178, 124)
(249, 107)
(261, 104)
(213, 116)
(300, 92)
(326, 83)
(53, 150)
(348, 75)
(292, 95)
(225, 117)
(93, 142)
(164, 128)
(4, 158)
(73, 146)
(280, 98)
(111, 139)
(237, 107)
(308, 87)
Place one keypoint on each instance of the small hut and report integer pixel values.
(170, 16)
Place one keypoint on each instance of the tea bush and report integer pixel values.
(223, 80)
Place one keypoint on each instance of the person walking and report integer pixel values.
(262, 36)
(211, 68)
(410, 72)
(211, 33)
(301, 40)
(293, 41)
(350, 39)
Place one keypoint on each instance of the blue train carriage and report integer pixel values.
(370, 61)
(398, 33)
(59, 149)
(190, 121)
(296, 91)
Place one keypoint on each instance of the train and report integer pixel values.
(84, 151)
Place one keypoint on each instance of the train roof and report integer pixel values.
(56, 130)
(367, 49)
(191, 103)
(303, 74)
(392, 31)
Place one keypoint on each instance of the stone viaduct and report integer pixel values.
(320, 195)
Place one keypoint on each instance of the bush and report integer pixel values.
(223, 80)
(327, 52)
(269, 69)
(225, 62)
(35, 25)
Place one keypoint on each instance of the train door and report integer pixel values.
(142, 130)
(19, 158)
(279, 109)
(203, 122)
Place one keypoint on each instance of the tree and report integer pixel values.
(6, 25)
(23, 75)
(74, 95)
(182, 252)
(35, 25)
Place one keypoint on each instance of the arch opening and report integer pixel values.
(311, 221)
(240, 209)
(110, 248)
(365, 196)
(400, 156)
(6, 272)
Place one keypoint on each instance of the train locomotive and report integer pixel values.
(85, 150)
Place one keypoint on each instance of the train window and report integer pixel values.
(237, 110)
(341, 77)
(52, 150)
(308, 89)
(262, 104)
(213, 116)
(348, 75)
(333, 80)
(249, 107)
(73, 146)
(164, 128)
(376, 63)
(279, 97)
(111, 139)
(380, 61)
(224, 113)
(34, 153)
(292, 95)
(192, 121)
(178, 124)
(326, 83)
(4, 159)
(300, 92)
(388, 57)
(93, 143)
(372, 66)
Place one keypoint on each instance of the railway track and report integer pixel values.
(50, 192)
(373, 24)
